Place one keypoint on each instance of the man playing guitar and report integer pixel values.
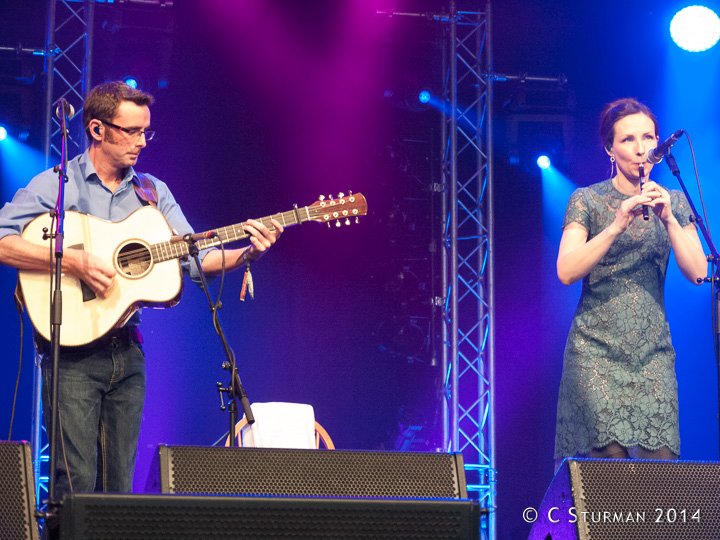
(102, 382)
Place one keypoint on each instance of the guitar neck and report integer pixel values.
(178, 247)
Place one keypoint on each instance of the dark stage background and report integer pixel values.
(260, 105)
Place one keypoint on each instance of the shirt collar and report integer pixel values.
(88, 169)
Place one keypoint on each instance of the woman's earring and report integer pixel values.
(612, 158)
(612, 166)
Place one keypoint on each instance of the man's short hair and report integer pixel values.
(103, 101)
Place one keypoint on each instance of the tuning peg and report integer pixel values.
(338, 224)
(347, 221)
(357, 219)
(330, 197)
(321, 198)
(341, 195)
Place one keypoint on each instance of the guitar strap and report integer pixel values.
(145, 189)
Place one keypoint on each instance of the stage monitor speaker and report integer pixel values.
(177, 517)
(17, 493)
(321, 473)
(604, 499)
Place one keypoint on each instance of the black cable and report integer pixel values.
(218, 302)
(220, 441)
(713, 264)
(697, 181)
(19, 310)
(714, 308)
(222, 272)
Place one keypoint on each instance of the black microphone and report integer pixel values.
(194, 237)
(655, 155)
(64, 108)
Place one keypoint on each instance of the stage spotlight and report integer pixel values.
(424, 96)
(132, 82)
(695, 28)
(3, 133)
(543, 162)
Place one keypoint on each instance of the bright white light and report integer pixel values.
(543, 162)
(695, 28)
(3, 133)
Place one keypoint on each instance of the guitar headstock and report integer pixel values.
(341, 209)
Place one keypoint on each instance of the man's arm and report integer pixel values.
(17, 252)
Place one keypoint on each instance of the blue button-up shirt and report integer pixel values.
(85, 192)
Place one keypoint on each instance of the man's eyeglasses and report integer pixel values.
(133, 132)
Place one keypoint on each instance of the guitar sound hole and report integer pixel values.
(134, 260)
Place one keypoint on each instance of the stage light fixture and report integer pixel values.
(543, 162)
(695, 28)
(132, 82)
(424, 96)
(3, 133)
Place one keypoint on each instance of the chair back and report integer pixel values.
(282, 425)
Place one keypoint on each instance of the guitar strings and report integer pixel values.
(141, 254)
(147, 254)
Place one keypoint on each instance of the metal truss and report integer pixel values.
(68, 56)
(468, 358)
(67, 71)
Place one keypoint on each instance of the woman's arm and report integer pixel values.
(688, 250)
(577, 256)
(685, 241)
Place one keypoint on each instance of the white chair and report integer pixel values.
(282, 425)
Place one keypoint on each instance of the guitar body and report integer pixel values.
(139, 280)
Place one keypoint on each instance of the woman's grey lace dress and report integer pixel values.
(618, 382)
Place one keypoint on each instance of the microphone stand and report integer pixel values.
(57, 236)
(714, 258)
(234, 389)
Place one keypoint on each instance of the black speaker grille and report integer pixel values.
(127, 517)
(637, 500)
(17, 497)
(336, 473)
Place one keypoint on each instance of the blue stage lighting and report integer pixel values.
(3, 133)
(543, 162)
(424, 96)
(132, 82)
(695, 28)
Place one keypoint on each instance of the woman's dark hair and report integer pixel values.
(618, 110)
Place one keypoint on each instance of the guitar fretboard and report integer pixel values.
(178, 247)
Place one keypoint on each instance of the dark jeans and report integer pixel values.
(101, 398)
